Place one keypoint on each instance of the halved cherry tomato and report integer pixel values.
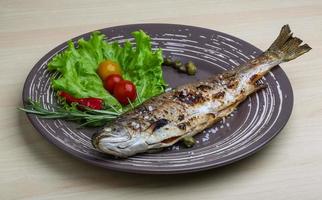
(108, 67)
(111, 81)
(124, 91)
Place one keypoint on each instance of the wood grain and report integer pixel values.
(31, 168)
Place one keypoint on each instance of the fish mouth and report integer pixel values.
(119, 144)
(109, 144)
(95, 139)
(113, 135)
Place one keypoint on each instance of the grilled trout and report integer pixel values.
(187, 110)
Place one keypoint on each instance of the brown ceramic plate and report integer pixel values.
(256, 121)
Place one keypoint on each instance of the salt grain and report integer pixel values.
(135, 125)
(175, 147)
(213, 130)
(206, 137)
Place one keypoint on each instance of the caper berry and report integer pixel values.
(167, 61)
(188, 141)
(177, 64)
(191, 68)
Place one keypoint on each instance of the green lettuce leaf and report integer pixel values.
(78, 65)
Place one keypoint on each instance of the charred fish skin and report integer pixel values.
(187, 110)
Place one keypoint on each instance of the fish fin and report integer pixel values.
(287, 47)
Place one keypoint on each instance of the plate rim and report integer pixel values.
(138, 170)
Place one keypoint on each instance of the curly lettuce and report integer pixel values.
(77, 66)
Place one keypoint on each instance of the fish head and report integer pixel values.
(119, 141)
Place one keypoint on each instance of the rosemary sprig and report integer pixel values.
(88, 116)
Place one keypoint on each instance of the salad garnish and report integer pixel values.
(99, 81)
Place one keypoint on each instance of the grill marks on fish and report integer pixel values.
(195, 94)
(227, 74)
(181, 117)
(254, 78)
(197, 123)
(232, 84)
(190, 97)
(227, 80)
(218, 95)
(203, 87)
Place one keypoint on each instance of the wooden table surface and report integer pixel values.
(290, 167)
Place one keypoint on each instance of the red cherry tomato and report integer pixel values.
(111, 81)
(124, 91)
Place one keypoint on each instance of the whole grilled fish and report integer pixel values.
(187, 110)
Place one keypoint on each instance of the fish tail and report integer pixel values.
(286, 47)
